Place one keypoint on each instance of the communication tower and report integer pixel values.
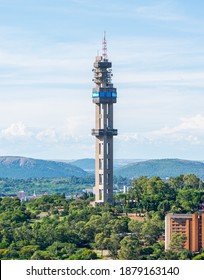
(104, 95)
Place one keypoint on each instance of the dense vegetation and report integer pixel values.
(53, 227)
(183, 194)
(69, 186)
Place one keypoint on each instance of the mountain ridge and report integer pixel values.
(23, 167)
(88, 164)
(162, 168)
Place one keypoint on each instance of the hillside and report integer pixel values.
(87, 164)
(21, 168)
(162, 168)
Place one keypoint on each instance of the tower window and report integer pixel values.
(107, 178)
(108, 163)
(100, 195)
(107, 112)
(100, 179)
(108, 148)
(108, 122)
(100, 163)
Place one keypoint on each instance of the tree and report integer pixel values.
(26, 252)
(171, 255)
(61, 250)
(113, 245)
(23, 234)
(120, 225)
(3, 252)
(45, 235)
(150, 233)
(42, 255)
(177, 242)
(186, 181)
(186, 255)
(158, 250)
(83, 254)
(164, 206)
(129, 248)
(9, 203)
(189, 199)
(136, 228)
(192, 181)
(101, 242)
(7, 233)
(95, 224)
(121, 197)
(199, 257)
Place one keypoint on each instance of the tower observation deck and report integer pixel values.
(104, 95)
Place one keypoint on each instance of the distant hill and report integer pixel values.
(162, 168)
(87, 164)
(22, 167)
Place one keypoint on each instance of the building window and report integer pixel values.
(100, 194)
(108, 163)
(100, 163)
(108, 109)
(108, 148)
(100, 123)
(107, 178)
(107, 121)
(100, 179)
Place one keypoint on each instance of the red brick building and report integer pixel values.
(190, 225)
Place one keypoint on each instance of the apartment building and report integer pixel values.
(190, 225)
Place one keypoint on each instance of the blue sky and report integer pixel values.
(47, 49)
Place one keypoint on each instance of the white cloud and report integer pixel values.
(47, 135)
(190, 130)
(71, 130)
(53, 142)
(16, 130)
(193, 124)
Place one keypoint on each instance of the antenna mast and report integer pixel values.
(104, 48)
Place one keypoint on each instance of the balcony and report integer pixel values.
(111, 132)
(103, 132)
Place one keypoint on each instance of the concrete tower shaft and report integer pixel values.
(104, 95)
